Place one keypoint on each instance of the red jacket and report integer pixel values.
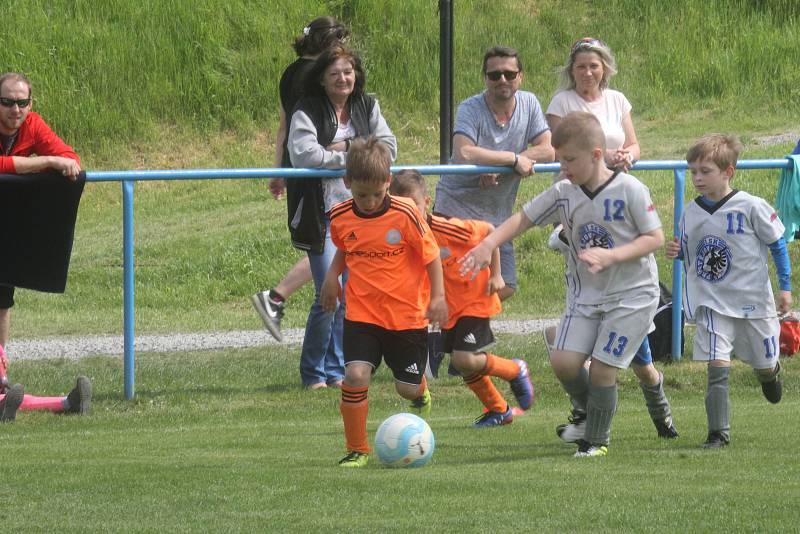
(36, 137)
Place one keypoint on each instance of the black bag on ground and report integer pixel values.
(661, 338)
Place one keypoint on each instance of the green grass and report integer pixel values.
(227, 441)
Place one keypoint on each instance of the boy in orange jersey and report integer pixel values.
(467, 333)
(387, 248)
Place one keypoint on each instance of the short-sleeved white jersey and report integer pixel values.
(615, 214)
(725, 254)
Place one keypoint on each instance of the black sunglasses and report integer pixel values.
(509, 75)
(9, 102)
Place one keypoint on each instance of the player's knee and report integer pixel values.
(407, 391)
(466, 362)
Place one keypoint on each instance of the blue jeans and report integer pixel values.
(322, 358)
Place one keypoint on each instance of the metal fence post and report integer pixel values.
(677, 268)
(128, 281)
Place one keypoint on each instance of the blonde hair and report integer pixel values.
(722, 149)
(368, 161)
(588, 44)
(579, 127)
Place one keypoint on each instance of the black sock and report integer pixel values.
(275, 296)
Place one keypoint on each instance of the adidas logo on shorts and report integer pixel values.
(412, 369)
(470, 338)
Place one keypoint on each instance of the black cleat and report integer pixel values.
(666, 429)
(10, 404)
(716, 440)
(80, 398)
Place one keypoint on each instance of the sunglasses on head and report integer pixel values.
(9, 102)
(509, 75)
(586, 42)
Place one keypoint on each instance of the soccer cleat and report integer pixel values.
(522, 386)
(773, 390)
(354, 459)
(666, 429)
(80, 398)
(490, 419)
(588, 450)
(421, 406)
(10, 404)
(716, 440)
(271, 313)
(573, 431)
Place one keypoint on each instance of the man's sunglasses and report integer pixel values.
(9, 102)
(509, 75)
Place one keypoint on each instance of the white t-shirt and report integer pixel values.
(725, 254)
(615, 214)
(333, 189)
(609, 110)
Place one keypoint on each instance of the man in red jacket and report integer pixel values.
(27, 144)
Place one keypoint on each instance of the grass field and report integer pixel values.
(225, 441)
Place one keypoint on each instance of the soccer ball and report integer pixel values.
(404, 440)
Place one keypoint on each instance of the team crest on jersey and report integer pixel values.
(713, 259)
(595, 235)
(393, 237)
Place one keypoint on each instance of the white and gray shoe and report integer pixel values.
(573, 431)
(271, 313)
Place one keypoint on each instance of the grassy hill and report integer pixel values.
(193, 84)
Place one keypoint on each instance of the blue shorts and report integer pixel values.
(643, 355)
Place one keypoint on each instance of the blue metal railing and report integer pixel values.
(128, 178)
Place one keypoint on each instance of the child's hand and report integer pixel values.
(496, 283)
(672, 249)
(437, 311)
(597, 258)
(488, 181)
(784, 302)
(473, 261)
(329, 293)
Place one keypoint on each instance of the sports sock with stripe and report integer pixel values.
(354, 408)
(487, 393)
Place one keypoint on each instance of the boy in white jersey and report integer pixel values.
(724, 239)
(613, 229)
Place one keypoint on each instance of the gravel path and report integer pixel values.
(75, 347)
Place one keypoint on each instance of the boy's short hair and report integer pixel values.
(408, 182)
(722, 149)
(582, 128)
(368, 160)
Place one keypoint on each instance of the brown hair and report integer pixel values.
(368, 160)
(579, 127)
(320, 34)
(17, 77)
(408, 182)
(722, 149)
(501, 51)
(328, 58)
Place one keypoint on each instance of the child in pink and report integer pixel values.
(13, 398)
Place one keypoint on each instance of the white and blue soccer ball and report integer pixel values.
(404, 440)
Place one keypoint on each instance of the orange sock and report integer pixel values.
(422, 387)
(354, 408)
(501, 367)
(483, 388)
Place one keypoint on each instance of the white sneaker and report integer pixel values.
(573, 431)
(270, 312)
(554, 242)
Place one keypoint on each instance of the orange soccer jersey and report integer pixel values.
(386, 254)
(465, 297)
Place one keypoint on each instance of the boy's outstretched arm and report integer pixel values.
(599, 258)
(479, 257)
(330, 291)
(437, 308)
